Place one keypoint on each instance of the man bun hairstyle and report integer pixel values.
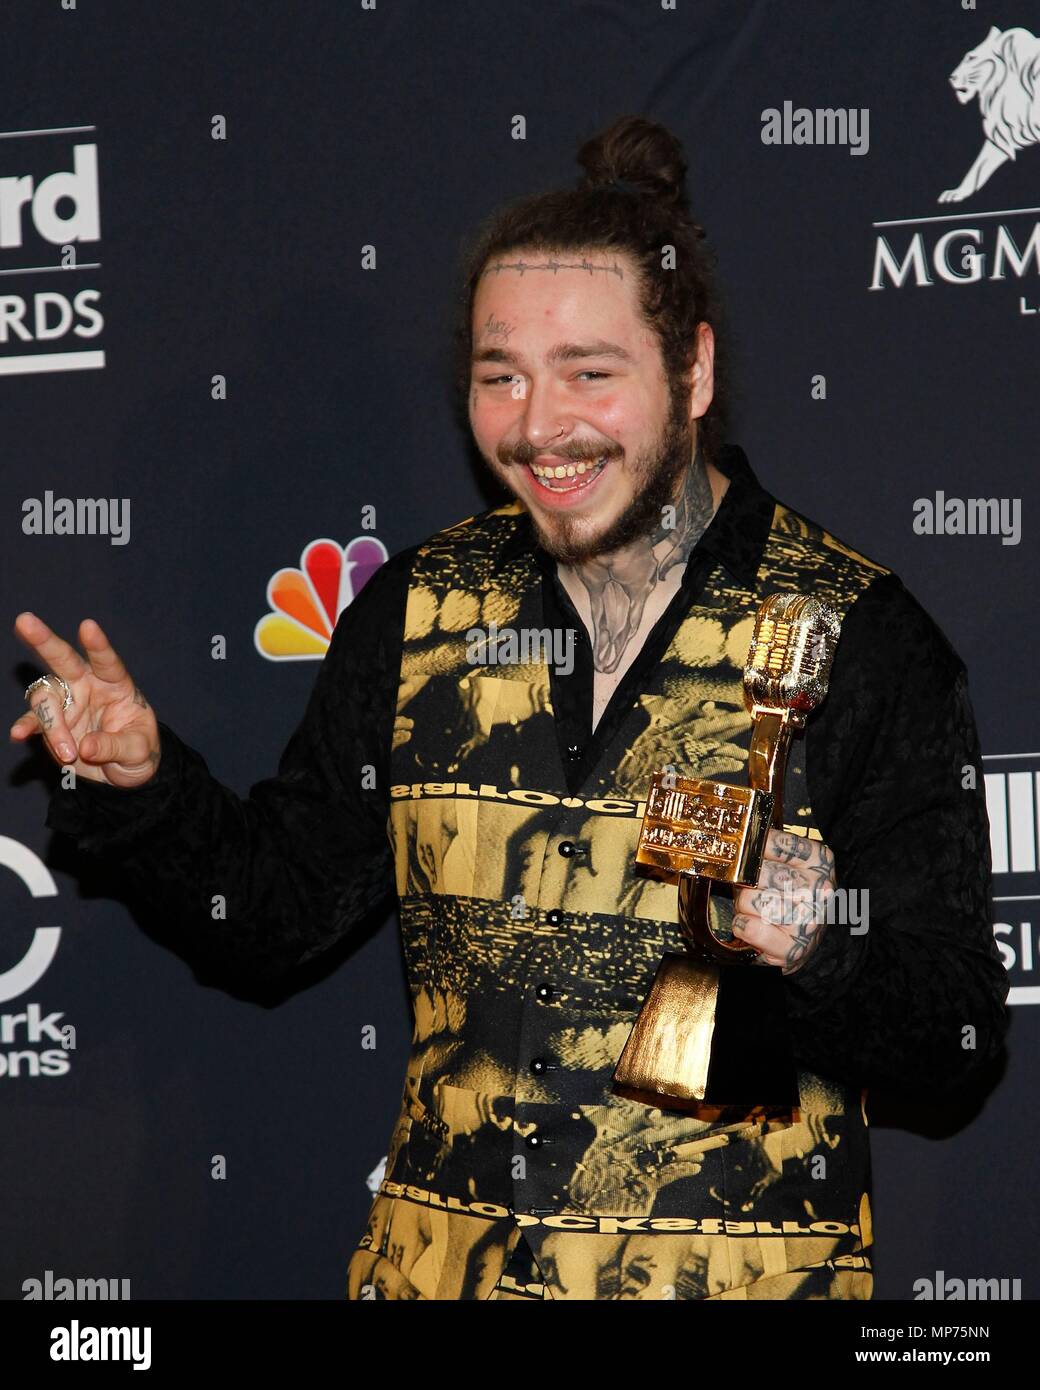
(631, 197)
(643, 154)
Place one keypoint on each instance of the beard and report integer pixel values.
(656, 473)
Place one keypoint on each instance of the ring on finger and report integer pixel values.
(45, 680)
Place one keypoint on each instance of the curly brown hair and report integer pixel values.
(642, 220)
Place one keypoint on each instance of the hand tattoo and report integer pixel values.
(43, 713)
(799, 849)
(792, 893)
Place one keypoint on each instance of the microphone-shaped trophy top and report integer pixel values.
(789, 660)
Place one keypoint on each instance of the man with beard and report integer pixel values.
(508, 796)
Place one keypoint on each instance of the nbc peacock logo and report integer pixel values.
(306, 602)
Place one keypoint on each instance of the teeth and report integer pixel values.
(567, 471)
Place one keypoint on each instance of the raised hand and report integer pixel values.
(108, 733)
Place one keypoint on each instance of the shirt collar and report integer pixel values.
(736, 534)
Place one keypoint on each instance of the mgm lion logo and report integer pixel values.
(1004, 72)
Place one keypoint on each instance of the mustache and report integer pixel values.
(577, 451)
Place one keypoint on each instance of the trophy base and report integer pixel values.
(710, 1035)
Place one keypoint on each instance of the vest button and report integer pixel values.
(544, 990)
(573, 752)
(534, 1141)
(566, 848)
(538, 1065)
(555, 917)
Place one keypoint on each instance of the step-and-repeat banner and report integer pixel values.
(228, 246)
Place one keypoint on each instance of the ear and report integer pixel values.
(993, 33)
(702, 371)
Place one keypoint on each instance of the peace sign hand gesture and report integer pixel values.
(109, 732)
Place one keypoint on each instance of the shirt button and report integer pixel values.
(573, 752)
(555, 917)
(538, 1065)
(566, 848)
(544, 990)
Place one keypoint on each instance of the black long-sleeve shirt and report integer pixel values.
(304, 859)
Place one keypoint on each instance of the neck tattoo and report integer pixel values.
(619, 587)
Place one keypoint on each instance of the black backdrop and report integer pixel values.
(394, 127)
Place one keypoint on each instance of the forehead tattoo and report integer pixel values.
(522, 266)
(497, 328)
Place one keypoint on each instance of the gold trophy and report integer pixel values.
(707, 1034)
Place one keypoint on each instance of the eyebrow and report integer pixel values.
(562, 352)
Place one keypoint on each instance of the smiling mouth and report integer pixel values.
(567, 477)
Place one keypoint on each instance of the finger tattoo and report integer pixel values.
(799, 849)
(800, 947)
(792, 848)
(43, 713)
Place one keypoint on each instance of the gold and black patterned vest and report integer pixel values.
(531, 941)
